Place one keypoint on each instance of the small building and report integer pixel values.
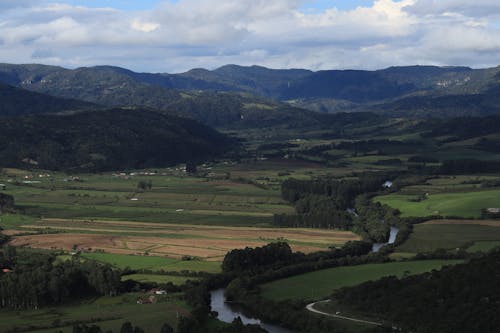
(493, 210)
(3, 187)
(158, 291)
(387, 184)
(6, 270)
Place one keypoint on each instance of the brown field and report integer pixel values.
(491, 223)
(172, 240)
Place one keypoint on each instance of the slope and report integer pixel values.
(106, 140)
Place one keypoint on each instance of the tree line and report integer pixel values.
(37, 281)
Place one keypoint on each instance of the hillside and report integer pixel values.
(113, 139)
(116, 87)
(222, 97)
(16, 101)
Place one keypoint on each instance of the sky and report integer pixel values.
(177, 35)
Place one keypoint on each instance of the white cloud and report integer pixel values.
(209, 33)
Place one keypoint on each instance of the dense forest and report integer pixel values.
(37, 281)
(106, 140)
(461, 298)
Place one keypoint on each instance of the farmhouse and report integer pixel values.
(158, 291)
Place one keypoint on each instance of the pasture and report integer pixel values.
(462, 204)
(107, 312)
(321, 284)
(153, 263)
(449, 234)
(158, 278)
(171, 199)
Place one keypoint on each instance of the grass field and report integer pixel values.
(154, 263)
(467, 204)
(446, 234)
(483, 246)
(107, 312)
(320, 284)
(172, 199)
(174, 279)
(107, 212)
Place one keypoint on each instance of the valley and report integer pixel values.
(194, 182)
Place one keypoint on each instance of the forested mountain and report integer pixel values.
(222, 97)
(16, 101)
(106, 140)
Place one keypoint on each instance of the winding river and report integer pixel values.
(392, 238)
(228, 313)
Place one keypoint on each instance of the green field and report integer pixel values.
(156, 278)
(321, 284)
(429, 237)
(467, 204)
(154, 263)
(173, 198)
(107, 312)
(483, 246)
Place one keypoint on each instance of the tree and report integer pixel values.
(127, 328)
(166, 328)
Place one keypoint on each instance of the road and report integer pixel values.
(311, 308)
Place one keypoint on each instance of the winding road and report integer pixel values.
(311, 308)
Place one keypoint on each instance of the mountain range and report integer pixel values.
(231, 94)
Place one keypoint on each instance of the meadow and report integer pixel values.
(451, 234)
(320, 284)
(465, 204)
(107, 312)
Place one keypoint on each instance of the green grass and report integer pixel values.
(483, 246)
(176, 280)
(154, 263)
(14, 221)
(202, 200)
(321, 284)
(468, 204)
(429, 237)
(106, 312)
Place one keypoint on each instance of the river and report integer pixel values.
(227, 313)
(392, 238)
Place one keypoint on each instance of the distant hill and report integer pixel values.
(16, 101)
(113, 139)
(115, 87)
(413, 91)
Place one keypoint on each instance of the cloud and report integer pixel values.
(177, 36)
(475, 8)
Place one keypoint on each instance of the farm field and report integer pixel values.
(173, 198)
(107, 312)
(170, 240)
(450, 234)
(153, 263)
(320, 284)
(466, 204)
(157, 278)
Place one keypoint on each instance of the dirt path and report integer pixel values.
(311, 308)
